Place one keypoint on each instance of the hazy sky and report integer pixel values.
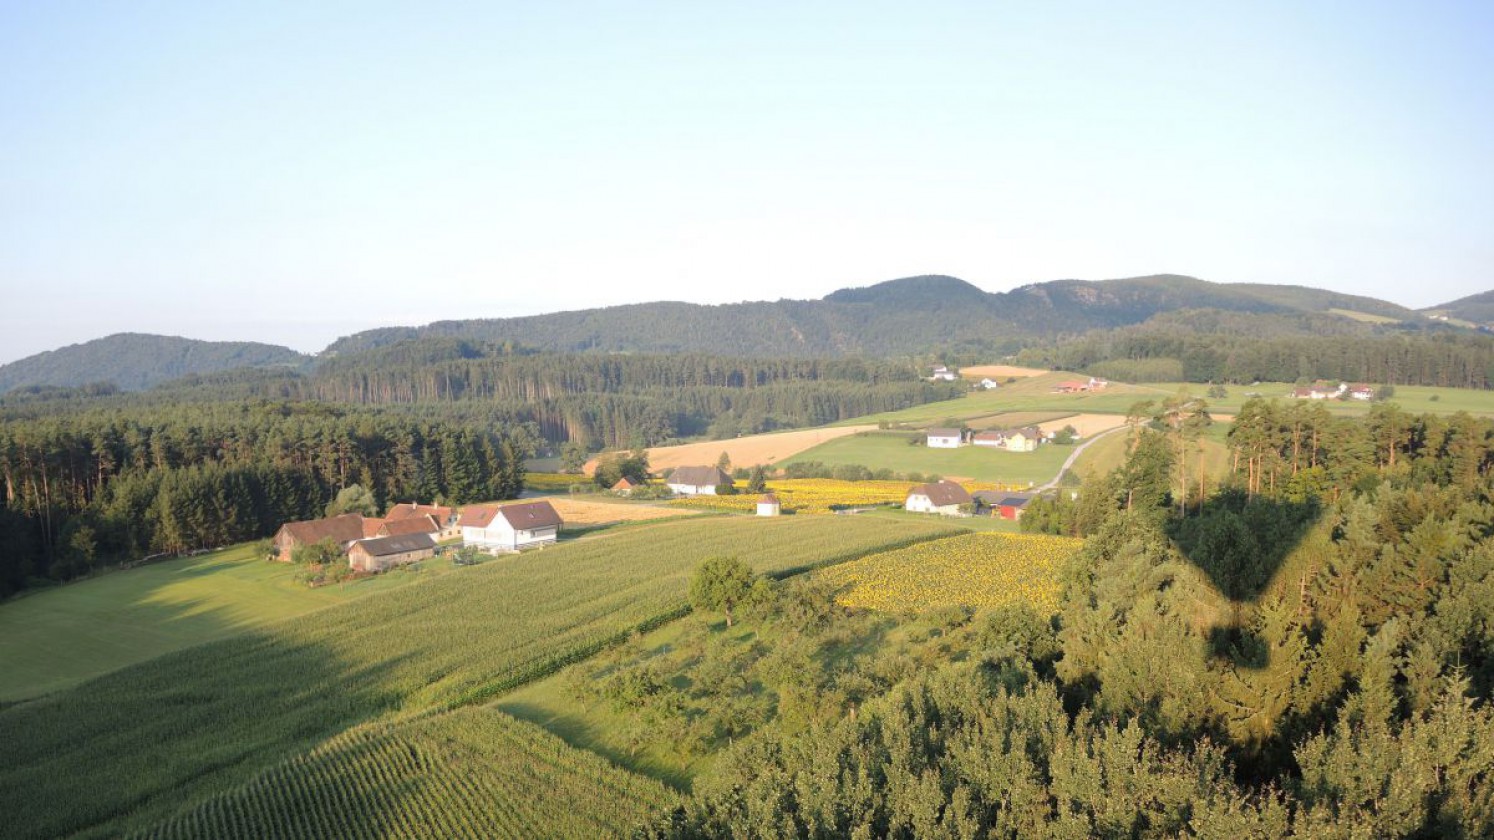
(292, 172)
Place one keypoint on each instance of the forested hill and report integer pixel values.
(1474, 309)
(898, 317)
(133, 361)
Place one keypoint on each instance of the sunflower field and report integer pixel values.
(974, 570)
(822, 495)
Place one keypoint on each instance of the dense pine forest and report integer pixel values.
(1305, 651)
(1219, 346)
(94, 477)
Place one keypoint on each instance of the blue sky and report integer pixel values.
(295, 172)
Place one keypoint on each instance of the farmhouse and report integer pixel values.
(444, 517)
(384, 553)
(942, 374)
(1025, 439)
(944, 438)
(768, 505)
(1321, 390)
(697, 481)
(406, 526)
(1070, 387)
(944, 497)
(510, 527)
(989, 384)
(341, 530)
(1361, 392)
(625, 487)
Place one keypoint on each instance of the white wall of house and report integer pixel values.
(693, 489)
(919, 503)
(767, 509)
(498, 534)
(944, 442)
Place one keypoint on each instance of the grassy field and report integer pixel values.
(974, 462)
(1033, 394)
(58, 637)
(1110, 452)
(472, 773)
(1413, 398)
(138, 745)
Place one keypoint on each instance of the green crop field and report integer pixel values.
(58, 637)
(1034, 394)
(138, 745)
(472, 773)
(976, 462)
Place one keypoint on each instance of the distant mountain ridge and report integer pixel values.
(907, 316)
(135, 361)
(1475, 310)
(896, 317)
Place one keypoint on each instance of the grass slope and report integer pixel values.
(59, 637)
(473, 773)
(131, 748)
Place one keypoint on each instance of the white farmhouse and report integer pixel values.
(943, 374)
(944, 438)
(697, 481)
(510, 527)
(944, 497)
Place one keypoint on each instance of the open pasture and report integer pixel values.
(472, 773)
(972, 570)
(1418, 399)
(129, 749)
(1015, 419)
(1031, 394)
(977, 463)
(588, 512)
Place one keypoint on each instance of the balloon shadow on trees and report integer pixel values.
(1241, 543)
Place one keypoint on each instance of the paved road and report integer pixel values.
(1074, 456)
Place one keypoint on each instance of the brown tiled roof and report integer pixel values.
(371, 527)
(624, 484)
(407, 510)
(942, 493)
(382, 546)
(990, 435)
(699, 476)
(340, 529)
(477, 516)
(409, 525)
(530, 515)
(768, 499)
(941, 432)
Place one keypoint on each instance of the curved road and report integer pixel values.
(1074, 456)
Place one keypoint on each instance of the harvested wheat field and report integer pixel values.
(1087, 425)
(578, 512)
(999, 372)
(743, 451)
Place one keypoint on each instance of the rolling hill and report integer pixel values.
(1473, 310)
(896, 317)
(135, 361)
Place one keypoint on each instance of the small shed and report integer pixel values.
(768, 505)
(384, 553)
(939, 438)
(1012, 506)
(625, 487)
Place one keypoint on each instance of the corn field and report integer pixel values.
(472, 773)
(127, 750)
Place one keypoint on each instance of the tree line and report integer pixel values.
(104, 486)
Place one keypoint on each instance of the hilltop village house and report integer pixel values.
(384, 553)
(1025, 439)
(1074, 386)
(510, 527)
(945, 438)
(697, 481)
(943, 497)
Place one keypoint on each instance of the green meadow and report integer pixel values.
(980, 463)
